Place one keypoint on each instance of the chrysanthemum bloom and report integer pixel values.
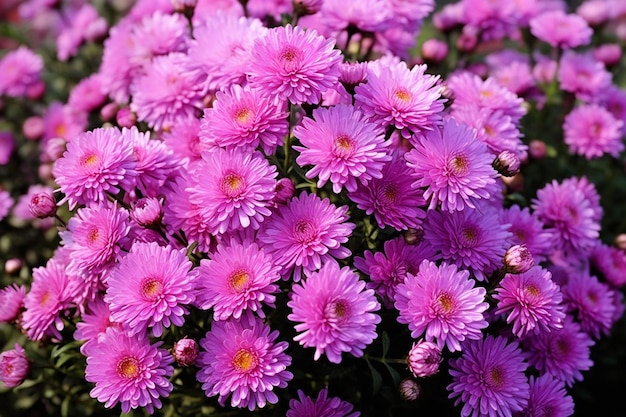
(21, 71)
(7, 146)
(368, 15)
(95, 322)
(184, 140)
(186, 351)
(151, 288)
(515, 76)
(591, 302)
(592, 131)
(611, 264)
(305, 406)
(221, 49)
(389, 268)
(395, 95)
(569, 213)
(488, 378)
(563, 353)
(242, 358)
(548, 397)
(581, 74)
(233, 189)
(88, 94)
(531, 300)
(164, 94)
(129, 370)
(472, 238)
(116, 69)
(560, 29)
(294, 64)
(590, 192)
(334, 313)
(424, 358)
(96, 163)
(452, 166)
(158, 34)
(237, 279)
(442, 304)
(61, 121)
(342, 146)
(11, 302)
(307, 232)
(526, 229)
(391, 199)
(409, 389)
(243, 117)
(80, 24)
(14, 366)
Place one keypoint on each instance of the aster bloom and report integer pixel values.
(390, 198)
(532, 301)
(237, 279)
(611, 264)
(442, 304)
(424, 358)
(88, 94)
(307, 232)
(184, 140)
(151, 288)
(6, 203)
(367, 15)
(395, 95)
(472, 238)
(452, 166)
(79, 24)
(243, 117)
(548, 396)
(560, 29)
(129, 370)
(323, 405)
(563, 353)
(342, 146)
(583, 75)
(526, 229)
(232, 189)
(157, 34)
(14, 366)
(95, 322)
(96, 163)
(21, 71)
(334, 313)
(11, 302)
(294, 64)
(488, 378)
(592, 131)
(243, 358)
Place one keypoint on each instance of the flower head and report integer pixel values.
(11, 302)
(305, 406)
(548, 397)
(21, 71)
(526, 229)
(14, 366)
(560, 29)
(592, 131)
(424, 358)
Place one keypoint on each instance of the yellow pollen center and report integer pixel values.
(445, 302)
(390, 192)
(244, 360)
(232, 184)
(344, 142)
(338, 309)
(489, 130)
(128, 367)
(239, 280)
(403, 95)
(44, 298)
(532, 290)
(496, 377)
(152, 288)
(243, 115)
(458, 164)
(89, 161)
(60, 130)
(486, 93)
(93, 235)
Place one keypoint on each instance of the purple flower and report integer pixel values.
(365, 15)
(88, 94)
(548, 396)
(151, 288)
(526, 229)
(592, 131)
(581, 74)
(560, 29)
(333, 312)
(95, 322)
(442, 304)
(7, 146)
(237, 279)
(242, 358)
(424, 359)
(184, 140)
(11, 302)
(611, 264)
(14, 366)
(21, 72)
(488, 378)
(157, 34)
(129, 370)
(342, 146)
(305, 406)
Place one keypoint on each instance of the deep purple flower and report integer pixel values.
(548, 397)
(305, 406)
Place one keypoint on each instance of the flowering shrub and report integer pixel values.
(309, 207)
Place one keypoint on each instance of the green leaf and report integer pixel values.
(377, 378)
(386, 344)
(394, 374)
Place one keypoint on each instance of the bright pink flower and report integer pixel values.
(592, 131)
(11, 302)
(21, 71)
(14, 366)
(560, 29)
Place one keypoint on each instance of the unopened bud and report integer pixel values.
(304, 7)
(518, 259)
(42, 205)
(620, 241)
(285, 189)
(147, 212)
(13, 265)
(413, 236)
(507, 163)
(14, 366)
(108, 111)
(185, 351)
(33, 128)
(409, 389)
(424, 358)
(434, 50)
(126, 118)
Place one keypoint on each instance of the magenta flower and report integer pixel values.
(592, 131)
(442, 304)
(609, 261)
(96, 163)
(583, 75)
(6, 203)
(394, 95)
(488, 378)
(151, 288)
(294, 64)
(184, 140)
(334, 313)
(14, 366)
(95, 322)
(548, 393)
(560, 29)
(88, 94)
(242, 358)
(365, 15)
(21, 72)
(305, 406)
(526, 229)
(306, 233)
(424, 359)
(11, 302)
(129, 370)
(342, 146)
(157, 33)
(237, 279)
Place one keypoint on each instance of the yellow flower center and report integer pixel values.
(152, 288)
(245, 360)
(238, 280)
(232, 184)
(403, 94)
(128, 367)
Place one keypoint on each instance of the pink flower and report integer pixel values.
(21, 71)
(560, 29)
(14, 366)
(424, 359)
(592, 131)
(11, 302)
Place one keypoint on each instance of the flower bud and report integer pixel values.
(537, 149)
(13, 265)
(518, 259)
(147, 212)
(610, 54)
(7, 145)
(285, 189)
(620, 241)
(42, 205)
(304, 7)
(409, 389)
(424, 358)
(434, 50)
(126, 118)
(413, 236)
(11, 300)
(33, 128)
(108, 111)
(507, 163)
(14, 366)
(185, 351)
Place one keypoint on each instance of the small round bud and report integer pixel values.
(413, 236)
(610, 54)
(468, 39)
(35, 91)
(184, 4)
(507, 163)
(285, 189)
(518, 259)
(42, 205)
(537, 149)
(409, 389)
(108, 111)
(304, 7)
(13, 265)
(185, 351)
(14, 366)
(434, 50)
(126, 118)
(147, 212)
(33, 128)
(424, 359)
(620, 241)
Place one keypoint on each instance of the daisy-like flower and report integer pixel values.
(95, 322)
(488, 378)
(158, 34)
(342, 146)
(532, 301)
(294, 64)
(334, 313)
(14, 366)
(11, 302)
(442, 304)
(592, 131)
(242, 358)
(548, 397)
(243, 117)
(366, 15)
(305, 233)
(560, 29)
(452, 166)
(96, 163)
(472, 238)
(526, 229)
(394, 95)
(563, 353)
(21, 72)
(609, 261)
(390, 198)
(232, 189)
(238, 278)
(129, 370)
(88, 94)
(151, 288)
(184, 140)
(583, 75)
(323, 405)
